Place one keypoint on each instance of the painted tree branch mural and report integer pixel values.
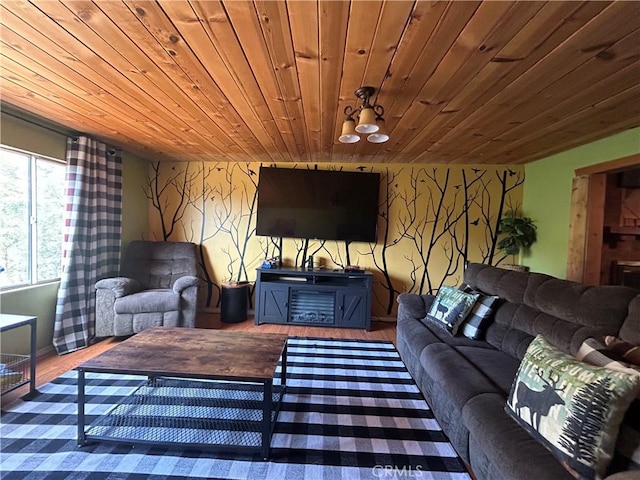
(443, 221)
(379, 251)
(170, 205)
(205, 203)
(271, 247)
(508, 181)
(336, 251)
(431, 220)
(425, 228)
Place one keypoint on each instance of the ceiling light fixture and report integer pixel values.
(370, 120)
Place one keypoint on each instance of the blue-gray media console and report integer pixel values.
(319, 297)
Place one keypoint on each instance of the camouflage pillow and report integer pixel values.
(574, 409)
(450, 308)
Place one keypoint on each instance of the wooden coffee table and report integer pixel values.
(203, 389)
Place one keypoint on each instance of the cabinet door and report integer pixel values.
(274, 303)
(352, 308)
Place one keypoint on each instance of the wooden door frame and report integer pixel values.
(586, 225)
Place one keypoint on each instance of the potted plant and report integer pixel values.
(519, 233)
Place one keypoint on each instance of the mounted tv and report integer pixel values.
(317, 204)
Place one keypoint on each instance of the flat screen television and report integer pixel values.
(317, 204)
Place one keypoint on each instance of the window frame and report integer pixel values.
(32, 218)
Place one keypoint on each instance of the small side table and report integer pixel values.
(233, 302)
(18, 370)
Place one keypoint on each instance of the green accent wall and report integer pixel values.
(27, 136)
(40, 300)
(135, 210)
(547, 196)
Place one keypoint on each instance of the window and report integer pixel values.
(31, 218)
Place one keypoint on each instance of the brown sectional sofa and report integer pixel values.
(466, 382)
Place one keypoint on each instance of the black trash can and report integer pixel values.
(233, 302)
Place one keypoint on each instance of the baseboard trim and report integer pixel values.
(45, 351)
(384, 319)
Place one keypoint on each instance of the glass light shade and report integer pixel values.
(367, 122)
(349, 134)
(381, 135)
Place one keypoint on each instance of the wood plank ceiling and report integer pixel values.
(461, 82)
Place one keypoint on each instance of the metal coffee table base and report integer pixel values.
(198, 414)
(204, 389)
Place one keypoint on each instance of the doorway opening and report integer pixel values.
(604, 235)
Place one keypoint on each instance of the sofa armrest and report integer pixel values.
(120, 286)
(181, 284)
(413, 305)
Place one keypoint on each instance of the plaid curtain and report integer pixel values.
(91, 244)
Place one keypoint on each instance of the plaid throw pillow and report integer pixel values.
(630, 353)
(481, 315)
(594, 352)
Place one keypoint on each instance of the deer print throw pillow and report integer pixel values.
(574, 409)
(450, 307)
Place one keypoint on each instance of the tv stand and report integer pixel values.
(296, 296)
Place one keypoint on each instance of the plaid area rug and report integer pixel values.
(351, 411)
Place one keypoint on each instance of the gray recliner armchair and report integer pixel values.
(158, 287)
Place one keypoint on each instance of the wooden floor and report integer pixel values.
(52, 366)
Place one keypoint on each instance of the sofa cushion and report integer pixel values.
(573, 408)
(445, 365)
(500, 448)
(447, 389)
(630, 331)
(457, 341)
(475, 324)
(515, 325)
(160, 300)
(450, 307)
(415, 336)
(496, 366)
